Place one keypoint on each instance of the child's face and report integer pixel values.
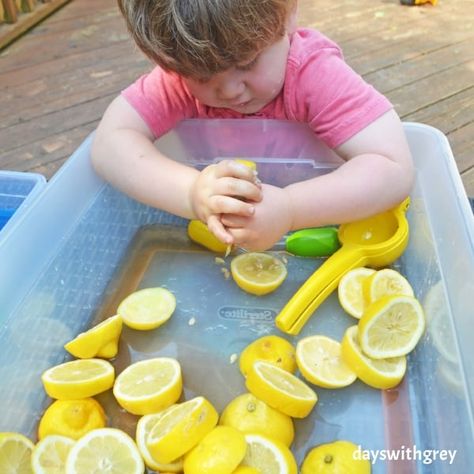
(248, 87)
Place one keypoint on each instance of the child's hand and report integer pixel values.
(271, 220)
(225, 188)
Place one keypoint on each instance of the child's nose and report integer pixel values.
(231, 88)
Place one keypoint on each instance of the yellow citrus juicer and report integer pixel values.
(375, 241)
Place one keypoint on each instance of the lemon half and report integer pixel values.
(50, 454)
(350, 291)
(15, 454)
(385, 282)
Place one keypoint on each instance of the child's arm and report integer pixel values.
(378, 174)
(123, 153)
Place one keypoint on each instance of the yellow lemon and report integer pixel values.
(280, 389)
(391, 327)
(320, 362)
(78, 379)
(385, 282)
(199, 233)
(15, 454)
(147, 309)
(350, 291)
(247, 470)
(250, 415)
(268, 456)
(144, 426)
(180, 428)
(149, 386)
(257, 272)
(71, 418)
(50, 454)
(378, 373)
(272, 349)
(105, 450)
(219, 452)
(338, 457)
(99, 341)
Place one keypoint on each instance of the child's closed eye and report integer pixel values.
(247, 66)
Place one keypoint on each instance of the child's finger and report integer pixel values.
(228, 205)
(217, 228)
(233, 220)
(239, 188)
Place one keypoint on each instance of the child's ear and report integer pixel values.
(291, 21)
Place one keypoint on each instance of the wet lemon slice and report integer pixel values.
(257, 272)
(105, 450)
(99, 341)
(391, 327)
(248, 414)
(148, 308)
(385, 282)
(144, 426)
(272, 349)
(334, 458)
(15, 454)
(149, 386)
(50, 454)
(268, 456)
(280, 389)
(350, 291)
(320, 362)
(180, 429)
(219, 452)
(381, 373)
(71, 418)
(78, 379)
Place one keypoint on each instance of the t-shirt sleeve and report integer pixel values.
(161, 99)
(332, 98)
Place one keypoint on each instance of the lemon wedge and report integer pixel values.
(50, 454)
(280, 389)
(148, 308)
(15, 454)
(199, 233)
(99, 341)
(380, 373)
(257, 272)
(149, 386)
(350, 291)
(391, 327)
(385, 282)
(320, 362)
(78, 379)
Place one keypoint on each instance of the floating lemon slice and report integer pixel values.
(280, 389)
(350, 291)
(149, 386)
(268, 456)
(78, 379)
(105, 450)
(99, 341)
(257, 272)
(180, 429)
(381, 373)
(147, 309)
(391, 327)
(50, 454)
(320, 362)
(144, 426)
(15, 454)
(385, 282)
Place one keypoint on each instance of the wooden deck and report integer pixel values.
(57, 79)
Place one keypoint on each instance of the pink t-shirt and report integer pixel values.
(320, 89)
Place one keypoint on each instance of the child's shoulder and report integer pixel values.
(309, 42)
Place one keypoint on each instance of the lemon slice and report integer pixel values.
(78, 379)
(219, 452)
(105, 450)
(320, 362)
(100, 341)
(385, 282)
(144, 426)
(248, 414)
(246, 470)
(350, 291)
(381, 373)
(280, 389)
(180, 429)
(50, 454)
(268, 456)
(391, 327)
(15, 454)
(257, 272)
(149, 386)
(147, 309)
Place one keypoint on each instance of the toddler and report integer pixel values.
(247, 59)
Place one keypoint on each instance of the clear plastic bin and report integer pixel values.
(91, 249)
